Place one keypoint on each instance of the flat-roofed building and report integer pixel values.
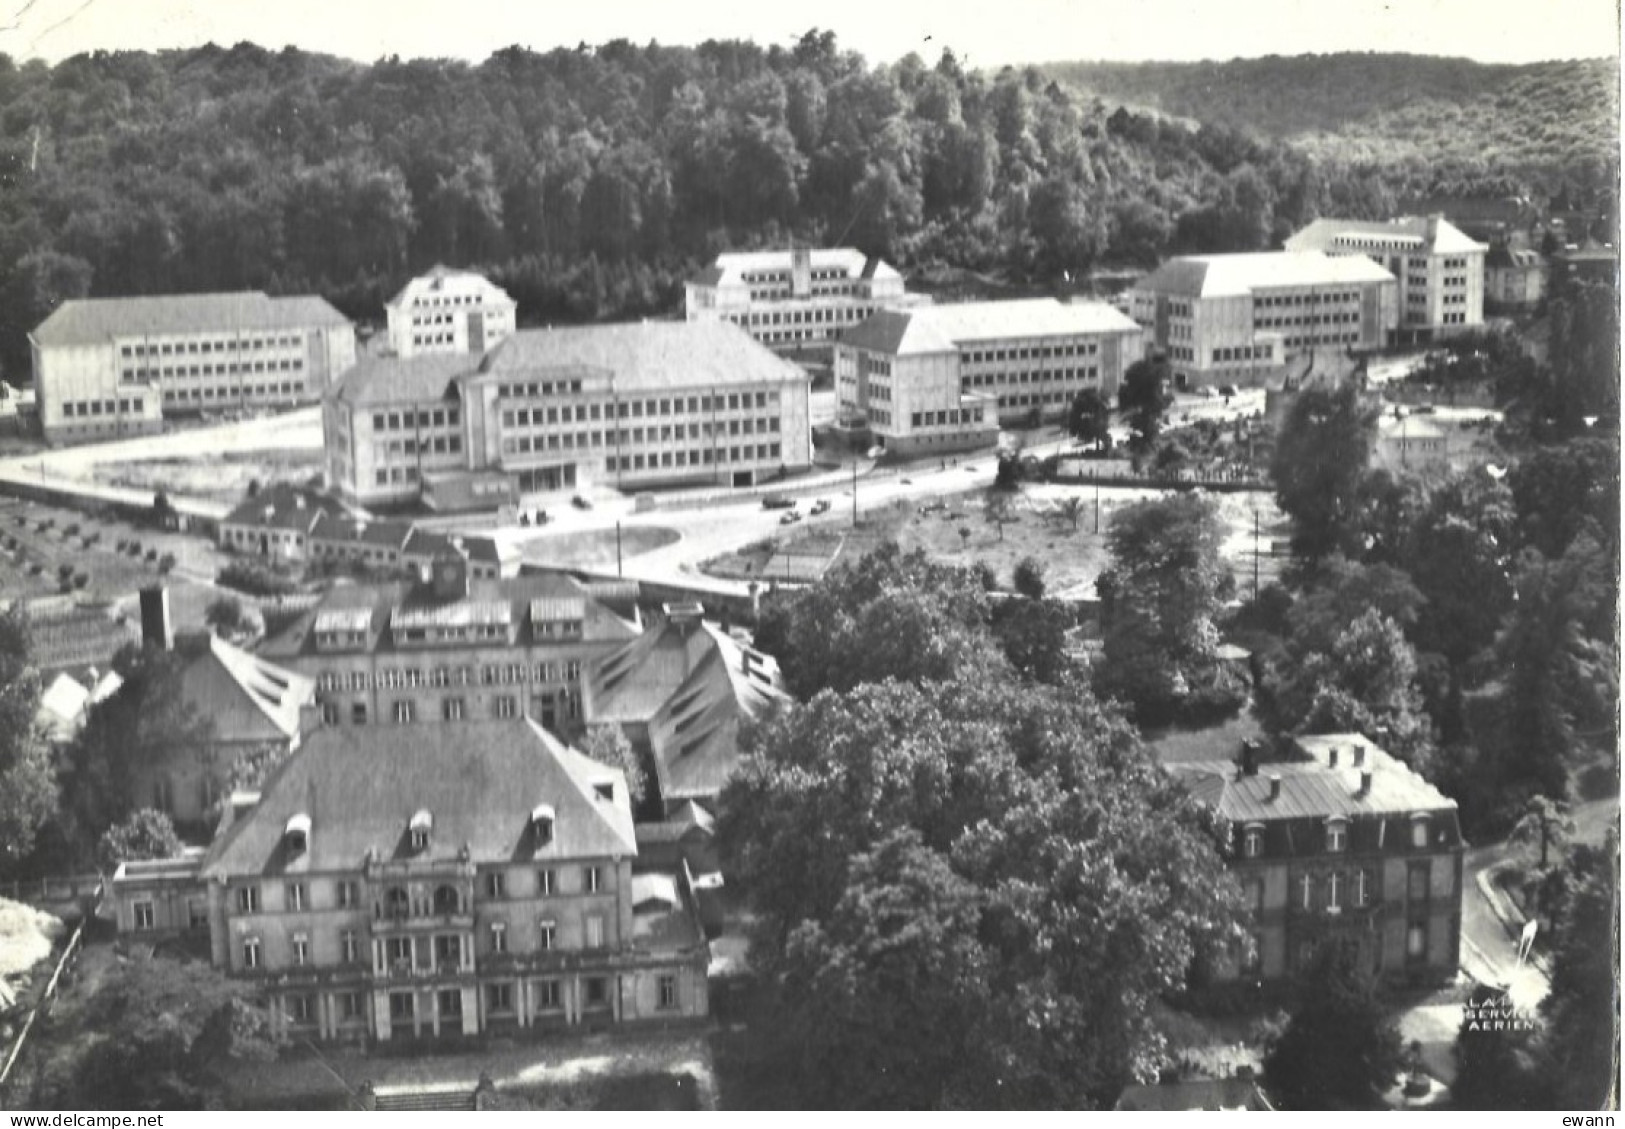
(391, 885)
(798, 297)
(1240, 319)
(941, 378)
(105, 367)
(1344, 845)
(626, 406)
(449, 311)
(1439, 269)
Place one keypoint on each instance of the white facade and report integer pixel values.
(449, 311)
(118, 366)
(800, 297)
(1440, 271)
(942, 378)
(1238, 319)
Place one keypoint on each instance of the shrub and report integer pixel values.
(1029, 578)
(256, 579)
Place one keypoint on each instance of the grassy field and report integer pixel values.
(217, 477)
(37, 541)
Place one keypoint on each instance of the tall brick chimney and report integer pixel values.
(157, 629)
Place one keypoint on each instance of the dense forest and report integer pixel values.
(589, 182)
(1554, 124)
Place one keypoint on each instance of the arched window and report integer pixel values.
(397, 903)
(447, 902)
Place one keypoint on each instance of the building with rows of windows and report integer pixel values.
(941, 378)
(1240, 319)
(1440, 270)
(392, 885)
(449, 311)
(625, 406)
(796, 298)
(1346, 845)
(451, 649)
(105, 367)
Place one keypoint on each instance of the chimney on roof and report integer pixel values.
(1249, 757)
(1365, 785)
(1275, 786)
(157, 630)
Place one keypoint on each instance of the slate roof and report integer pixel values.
(1223, 276)
(688, 684)
(944, 329)
(361, 785)
(277, 693)
(1311, 788)
(377, 601)
(378, 381)
(279, 506)
(94, 321)
(644, 355)
(1323, 233)
(343, 530)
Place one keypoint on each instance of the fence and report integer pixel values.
(1228, 482)
(44, 1002)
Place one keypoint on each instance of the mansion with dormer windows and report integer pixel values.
(1344, 845)
(388, 884)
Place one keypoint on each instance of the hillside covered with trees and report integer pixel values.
(590, 182)
(1550, 127)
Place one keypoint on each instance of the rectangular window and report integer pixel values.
(596, 991)
(507, 706)
(144, 916)
(350, 1006)
(451, 709)
(1418, 878)
(499, 997)
(349, 895)
(547, 995)
(350, 946)
(297, 896)
(545, 883)
(1416, 941)
(595, 931)
(496, 884)
(668, 993)
(499, 937)
(251, 953)
(301, 950)
(592, 879)
(404, 711)
(546, 935)
(248, 899)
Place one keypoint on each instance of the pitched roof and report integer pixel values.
(376, 603)
(279, 506)
(340, 529)
(438, 274)
(731, 265)
(277, 693)
(91, 321)
(62, 706)
(944, 329)
(687, 682)
(644, 355)
(377, 381)
(360, 786)
(1433, 233)
(1311, 788)
(1223, 276)
(1503, 257)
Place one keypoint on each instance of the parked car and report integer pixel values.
(790, 518)
(1206, 393)
(580, 503)
(778, 502)
(820, 507)
(1227, 390)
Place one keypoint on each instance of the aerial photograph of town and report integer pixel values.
(1050, 555)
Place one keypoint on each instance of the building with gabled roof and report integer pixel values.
(1346, 845)
(105, 367)
(1241, 319)
(65, 702)
(797, 298)
(447, 310)
(392, 885)
(627, 406)
(1439, 269)
(680, 692)
(942, 378)
(275, 522)
(1514, 277)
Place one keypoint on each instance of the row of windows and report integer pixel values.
(1310, 319)
(84, 408)
(873, 364)
(819, 315)
(213, 345)
(953, 417)
(1336, 836)
(546, 708)
(410, 448)
(1454, 319)
(436, 301)
(425, 417)
(1034, 401)
(706, 457)
(287, 388)
(664, 434)
(411, 677)
(1243, 353)
(1315, 298)
(186, 372)
(999, 379)
(1030, 353)
(1322, 339)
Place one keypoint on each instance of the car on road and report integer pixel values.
(908, 482)
(580, 503)
(1227, 390)
(790, 517)
(820, 507)
(778, 502)
(1206, 392)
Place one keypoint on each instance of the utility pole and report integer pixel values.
(854, 491)
(1255, 554)
(618, 571)
(1097, 501)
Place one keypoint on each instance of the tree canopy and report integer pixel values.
(1320, 459)
(28, 777)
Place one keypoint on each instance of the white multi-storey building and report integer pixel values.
(1440, 270)
(801, 297)
(625, 406)
(449, 311)
(105, 367)
(941, 378)
(1239, 319)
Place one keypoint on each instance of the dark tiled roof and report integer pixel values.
(289, 508)
(89, 321)
(361, 785)
(378, 381)
(710, 276)
(354, 531)
(644, 355)
(276, 693)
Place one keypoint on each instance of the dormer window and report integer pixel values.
(296, 834)
(1252, 841)
(1337, 835)
(541, 825)
(420, 828)
(605, 790)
